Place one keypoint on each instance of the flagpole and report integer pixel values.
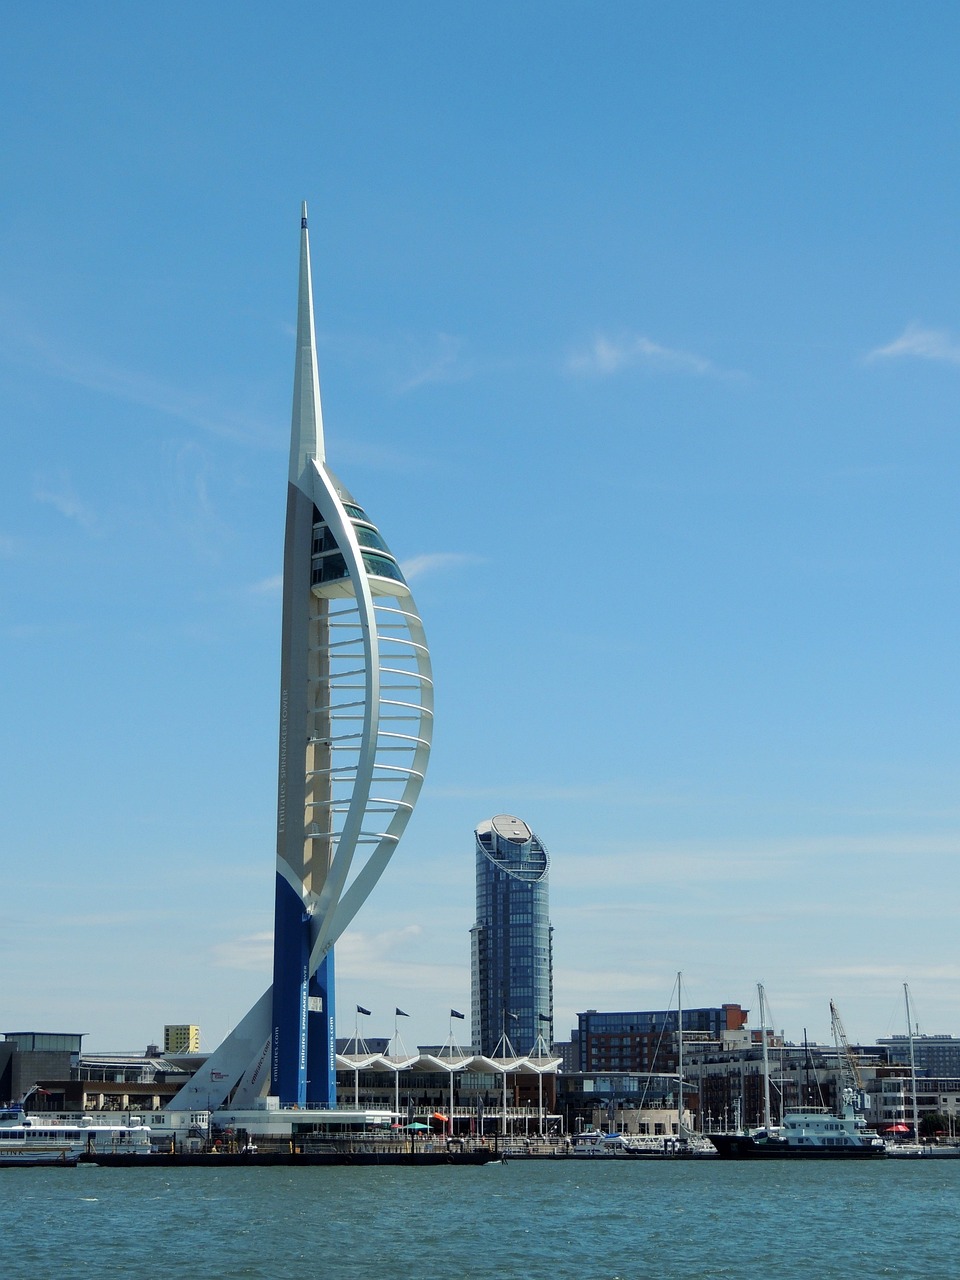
(398, 1013)
(540, 1096)
(450, 1070)
(503, 1050)
(453, 1014)
(356, 1049)
(396, 1065)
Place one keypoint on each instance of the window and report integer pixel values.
(381, 567)
(370, 538)
(330, 568)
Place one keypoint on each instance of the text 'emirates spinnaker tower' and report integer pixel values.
(356, 716)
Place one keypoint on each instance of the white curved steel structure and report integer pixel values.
(369, 716)
(356, 721)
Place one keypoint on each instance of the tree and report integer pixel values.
(932, 1123)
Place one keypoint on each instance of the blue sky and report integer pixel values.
(639, 333)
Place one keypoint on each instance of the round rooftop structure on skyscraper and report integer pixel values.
(508, 828)
(510, 844)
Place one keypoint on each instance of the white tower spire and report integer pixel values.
(356, 720)
(306, 435)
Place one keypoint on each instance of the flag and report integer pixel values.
(401, 1014)
(544, 1017)
(454, 1014)
(361, 1009)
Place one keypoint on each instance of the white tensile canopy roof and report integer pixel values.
(522, 1065)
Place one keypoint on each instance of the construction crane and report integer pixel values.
(843, 1047)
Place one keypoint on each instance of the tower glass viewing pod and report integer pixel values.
(356, 718)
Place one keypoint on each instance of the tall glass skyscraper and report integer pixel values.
(512, 941)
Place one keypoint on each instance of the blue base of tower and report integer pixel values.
(303, 1052)
(322, 1037)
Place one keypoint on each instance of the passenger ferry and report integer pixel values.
(35, 1140)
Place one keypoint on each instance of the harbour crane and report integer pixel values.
(843, 1047)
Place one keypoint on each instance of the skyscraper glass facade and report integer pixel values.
(512, 940)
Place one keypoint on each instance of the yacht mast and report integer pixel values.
(913, 1065)
(762, 996)
(679, 1059)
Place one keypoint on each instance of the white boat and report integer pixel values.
(32, 1140)
(917, 1150)
(592, 1144)
(815, 1132)
(806, 1132)
(686, 1143)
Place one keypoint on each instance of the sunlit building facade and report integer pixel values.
(512, 940)
(181, 1038)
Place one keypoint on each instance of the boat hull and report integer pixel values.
(39, 1160)
(739, 1146)
(214, 1160)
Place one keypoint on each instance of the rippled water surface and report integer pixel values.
(537, 1219)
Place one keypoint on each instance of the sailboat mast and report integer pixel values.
(679, 1059)
(913, 1065)
(761, 995)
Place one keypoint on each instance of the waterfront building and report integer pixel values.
(617, 1101)
(512, 941)
(28, 1056)
(356, 713)
(937, 1055)
(646, 1041)
(181, 1038)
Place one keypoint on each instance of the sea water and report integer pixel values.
(593, 1220)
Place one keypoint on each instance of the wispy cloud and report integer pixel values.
(432, 562)
(444, 364)
(395, 957)
(633, 870)
(613, 792)
(355, 946)
(606, 356)
(63, 498)
(252, 951)
(403, 362)
(584, 983)
(271, 586)
(925, 344)
(891, 975)
(89, 370)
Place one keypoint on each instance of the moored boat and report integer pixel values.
(810, 1133)
(594, 1145)
(34, 1140)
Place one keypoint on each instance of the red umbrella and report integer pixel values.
(898, 1128)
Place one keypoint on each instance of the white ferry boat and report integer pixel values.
(814, 1132)
(36, 1140)
(593, 1144)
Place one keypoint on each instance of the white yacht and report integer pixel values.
(32, 1140)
